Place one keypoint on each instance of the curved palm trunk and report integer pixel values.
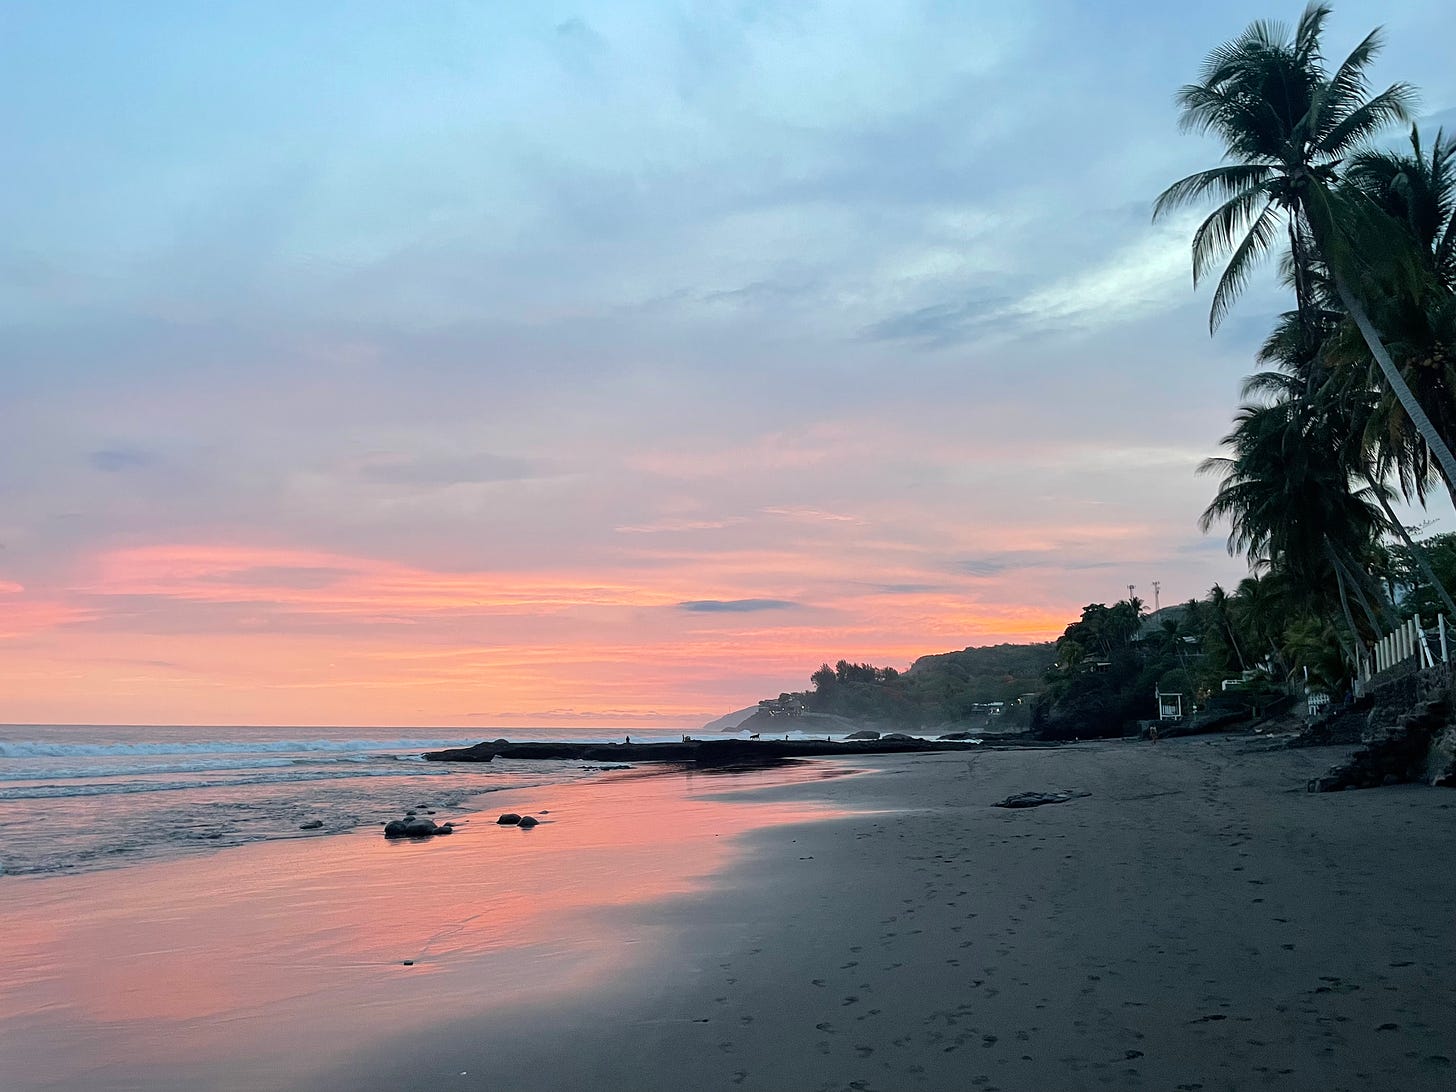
(1361, 654)
(1228, 624)
(1344, 570)
(1356, 310)
(1417, 551)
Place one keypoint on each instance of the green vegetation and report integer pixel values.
(1353, 408)
(973, 685)
(1356, 404)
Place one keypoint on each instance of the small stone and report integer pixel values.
(312, 824)
(509, 819)
(409, 962)
(528, 821)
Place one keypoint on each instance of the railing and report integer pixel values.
(1409, 641)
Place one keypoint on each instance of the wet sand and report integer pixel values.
(262, 966)
(1197, 922)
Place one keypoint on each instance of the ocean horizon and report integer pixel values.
(84, 796)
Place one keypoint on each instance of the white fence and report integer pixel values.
(1409, 641)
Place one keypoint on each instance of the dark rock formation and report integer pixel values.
(863, 735)
(704, 754)
(528, 821)
(1440, 768)
(1037, 799)
(312, 824)
(413, 826)
(1409, 749)
(1344, 724)
(509, 819)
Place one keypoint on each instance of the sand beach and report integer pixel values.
(1197, 921)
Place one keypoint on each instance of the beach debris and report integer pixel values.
(415, 826)
(528, 821)
(509, 819)
(1037, 799)
(312, 824)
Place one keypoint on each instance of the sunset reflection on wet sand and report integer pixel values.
(242, 968)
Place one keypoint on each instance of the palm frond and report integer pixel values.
(1225, 226)
(1256, 244)
(1307, 32)
(1359, 125)
(1224, 182)
(1347, 88)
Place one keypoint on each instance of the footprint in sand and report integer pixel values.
(850, 1000)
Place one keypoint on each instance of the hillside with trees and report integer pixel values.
(946, 690)
(1351, 410)
(1230, 657)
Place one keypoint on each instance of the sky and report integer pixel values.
(473, 363)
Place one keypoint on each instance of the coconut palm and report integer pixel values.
(1413, 298)
(1417, 189)
(1288, 123)
(1288, 496)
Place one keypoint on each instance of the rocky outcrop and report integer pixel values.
(416, 826)
(1440, 768)
(1037, 799)
(704, 754)
(1418, 746)
(1344, 724)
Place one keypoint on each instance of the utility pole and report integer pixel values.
(1157, 587)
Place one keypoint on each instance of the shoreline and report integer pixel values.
(252, 967)
(1198, 920)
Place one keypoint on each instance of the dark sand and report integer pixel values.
(1197, 922)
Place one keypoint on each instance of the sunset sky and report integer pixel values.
(541, 364)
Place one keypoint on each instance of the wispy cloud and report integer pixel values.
(735, 606)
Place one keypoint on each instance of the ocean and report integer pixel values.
(80, 797)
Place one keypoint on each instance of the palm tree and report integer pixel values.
(1413, 297)
(1287, 124)
(1218, 603)
(1288, 496)
(1418, 191)
(1350, 420)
